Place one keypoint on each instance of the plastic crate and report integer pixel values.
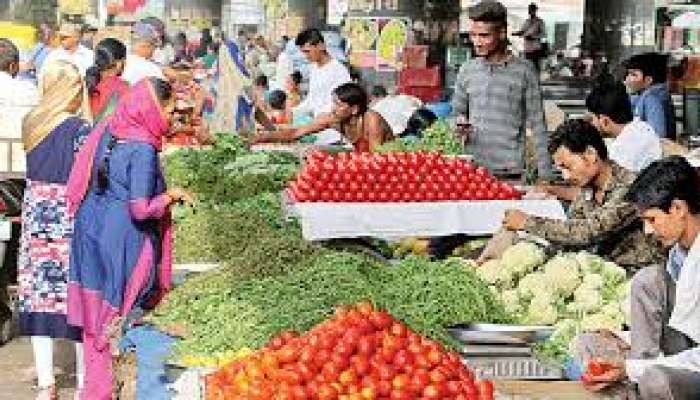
(426, 94)
(415, 57)
(420, 77)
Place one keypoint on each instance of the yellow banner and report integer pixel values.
(74, 6)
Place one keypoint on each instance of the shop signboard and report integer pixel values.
(75, 7)
(393, 37)
(337, 9)
(246, 12)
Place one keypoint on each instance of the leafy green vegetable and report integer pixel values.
(438, 137)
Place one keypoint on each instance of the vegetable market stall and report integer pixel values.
(271, 280)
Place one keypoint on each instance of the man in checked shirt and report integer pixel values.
(496, 96)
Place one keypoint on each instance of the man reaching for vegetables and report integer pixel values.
(600, 220)
(668, 199)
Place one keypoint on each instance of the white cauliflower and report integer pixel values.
(592, 281)
(541, 311)
(593, 322)
(522, 258)
(613, 274)
(494, 273)
(534, 284)
(586, 300)
(563, 273)
(589, 263)
(511, 301)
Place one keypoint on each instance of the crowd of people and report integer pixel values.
(96, 236)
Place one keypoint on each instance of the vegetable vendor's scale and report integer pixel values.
(505, 351)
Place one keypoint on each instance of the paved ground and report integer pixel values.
(17, 372)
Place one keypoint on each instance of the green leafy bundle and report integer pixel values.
(438, 137)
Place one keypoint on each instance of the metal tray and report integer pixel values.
(501, 333)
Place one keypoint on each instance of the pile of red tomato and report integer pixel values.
(395, 177)
(359, 354)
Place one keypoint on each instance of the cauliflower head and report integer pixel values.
(593, 322)
(511, 301)
(593, 281)
(534, 284)
(522, 258)
(586, 300)
(562, 272)
(541, 311)
(589, 263)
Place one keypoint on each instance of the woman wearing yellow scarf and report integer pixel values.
(52, 133)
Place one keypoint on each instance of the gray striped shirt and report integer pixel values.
(499, 100)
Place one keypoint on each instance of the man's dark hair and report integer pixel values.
(671, 178)
(379, 91)
(278, 100)
(296, 77)
(261, 81)
(612, 101)
(8, 54)
(312, 36)
(489, 11)
(352, 94)
(577, 135)
(654, 65)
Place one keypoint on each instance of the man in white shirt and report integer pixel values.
(634, 145)
(325, 74)
(139, 64)
(667, 193)
(17, 96)
(71, 50)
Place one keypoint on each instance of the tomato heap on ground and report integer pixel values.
(395, 177)
(359, 354)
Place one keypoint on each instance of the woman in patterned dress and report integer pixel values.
(121, 250)
(51, 134)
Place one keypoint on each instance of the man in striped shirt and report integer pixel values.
(496, 96)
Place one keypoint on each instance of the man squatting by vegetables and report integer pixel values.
(599, 218)
(665, 301)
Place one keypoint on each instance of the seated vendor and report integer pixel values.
(664, 361)
(599, 219)
(364, 128)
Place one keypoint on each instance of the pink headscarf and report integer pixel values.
(138, 117)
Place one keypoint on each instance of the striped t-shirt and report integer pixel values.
(499, 101)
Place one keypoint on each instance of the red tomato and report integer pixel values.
(401, 382)
(485, 390)
(402, 359)
(386, 372)
(327, 392)
(366, 345)
(431, 392)
(420, 379)
(383, 197)
(330, 372)
(437, 376)
(348, 377)
(398, 329)
(380, 319)
(360, 364)
(384, 387)
(434, 357)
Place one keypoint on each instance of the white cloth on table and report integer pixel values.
(397, 110)
(320, 221)
(636, 147)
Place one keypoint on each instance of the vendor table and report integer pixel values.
(322, 221)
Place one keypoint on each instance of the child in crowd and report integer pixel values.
(279, 113)
(293, 89)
